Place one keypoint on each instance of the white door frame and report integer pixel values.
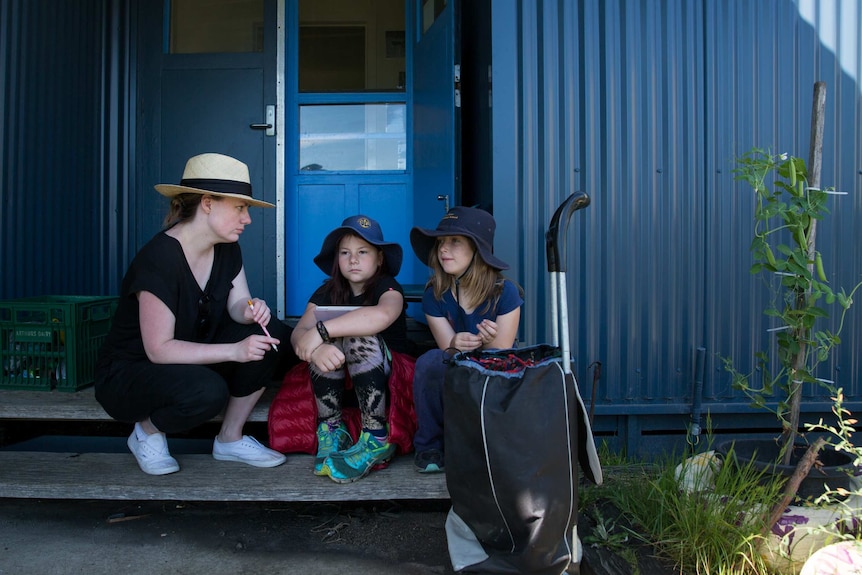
(280, 217)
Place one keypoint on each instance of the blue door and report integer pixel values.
(210, 87)
(436, 111)
(364, 94)
(351, 112)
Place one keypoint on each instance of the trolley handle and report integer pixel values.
(555, 237)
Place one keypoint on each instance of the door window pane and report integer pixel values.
(199, 26)
(430, 10)
(332, 58)
(352, 46)
(353, 137)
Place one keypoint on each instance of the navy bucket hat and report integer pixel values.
(367, 229)
(476, 224)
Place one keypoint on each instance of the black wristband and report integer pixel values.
(321, 329)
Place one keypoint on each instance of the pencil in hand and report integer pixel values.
(263, 327)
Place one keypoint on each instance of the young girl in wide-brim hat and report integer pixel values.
(468, 304)
(361, 267)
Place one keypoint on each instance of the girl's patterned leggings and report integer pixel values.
(368, 361)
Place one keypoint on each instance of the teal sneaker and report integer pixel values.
(330, 440)
(355, 463)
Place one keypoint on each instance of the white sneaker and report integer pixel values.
(152, 454)
(247, 450)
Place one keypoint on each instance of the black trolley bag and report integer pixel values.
(515, 429)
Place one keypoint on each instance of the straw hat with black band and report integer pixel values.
(214, 175)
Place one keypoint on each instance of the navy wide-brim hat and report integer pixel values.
(369, 230)
(476, 224)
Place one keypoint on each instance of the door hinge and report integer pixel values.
(457, 77)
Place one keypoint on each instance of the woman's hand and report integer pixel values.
(253, 348)
(258, 312)
(326, 358)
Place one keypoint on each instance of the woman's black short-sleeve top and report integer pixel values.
(161, 268)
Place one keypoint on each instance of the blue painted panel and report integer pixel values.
(391, 205)
(58, 95)
(436, 118)
(321, 207)
(771, 73)
(192, 123)
(644, 105)
(641, 104)
(318, 201)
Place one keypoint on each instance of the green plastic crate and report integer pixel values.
(51, 342)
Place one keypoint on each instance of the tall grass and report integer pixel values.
(713, 531)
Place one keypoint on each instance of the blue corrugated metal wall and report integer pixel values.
(763, 59)
(64, 101)
(645, 105)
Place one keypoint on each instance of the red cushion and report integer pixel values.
(293, 412)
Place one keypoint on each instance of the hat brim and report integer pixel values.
(423, 241)
(172, 190)
(391, 251)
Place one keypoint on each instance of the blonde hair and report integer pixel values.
(480, 283)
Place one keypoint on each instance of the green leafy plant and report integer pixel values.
(613, 537)
(840, 436)
(784, 252)
(714, 531)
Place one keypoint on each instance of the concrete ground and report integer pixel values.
(47, 537)
(79, 537)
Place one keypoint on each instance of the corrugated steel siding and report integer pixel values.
(761, 93)
(53, 140)
(645, 105)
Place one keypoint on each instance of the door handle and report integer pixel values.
(445, 199)
(269, 126)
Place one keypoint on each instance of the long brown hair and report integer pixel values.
(337, 285)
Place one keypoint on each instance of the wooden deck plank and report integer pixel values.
(116, 476)
(53, 475)
(81, 406)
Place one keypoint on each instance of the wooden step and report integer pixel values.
(43, 475)
(60, 474)
(80, 406)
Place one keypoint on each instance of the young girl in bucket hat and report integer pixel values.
(188, 340)
(361, 267)
(468, 304)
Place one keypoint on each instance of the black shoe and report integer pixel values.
(429, 461)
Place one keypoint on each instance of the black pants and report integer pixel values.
(179, 397)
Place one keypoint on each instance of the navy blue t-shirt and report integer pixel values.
(510, 299)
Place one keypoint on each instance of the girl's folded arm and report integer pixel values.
(441, 330)
(368, 320)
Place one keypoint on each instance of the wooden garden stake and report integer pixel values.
(792, 486)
